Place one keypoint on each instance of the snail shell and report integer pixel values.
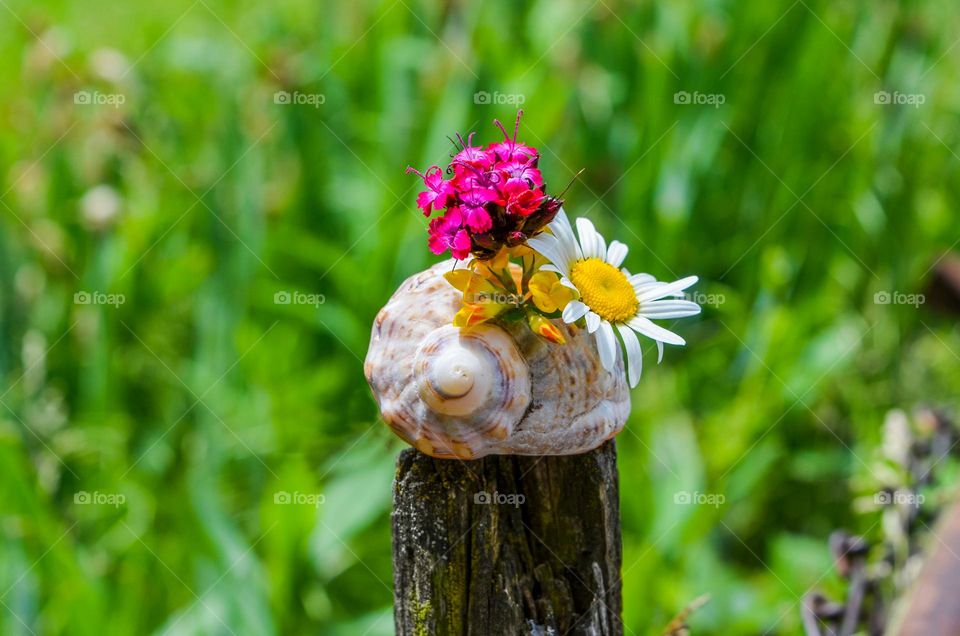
(493, 389)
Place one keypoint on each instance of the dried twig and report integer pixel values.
(678, 626)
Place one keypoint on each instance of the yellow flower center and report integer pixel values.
(605, 290)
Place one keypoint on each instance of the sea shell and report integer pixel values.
(491, 390)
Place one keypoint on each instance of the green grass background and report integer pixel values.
(199, 398)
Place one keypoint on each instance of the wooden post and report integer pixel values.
(931, 608)
(507, 545)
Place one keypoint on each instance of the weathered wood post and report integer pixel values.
(507, 545)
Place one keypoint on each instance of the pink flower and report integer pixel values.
(447, 233)
(518, 198)
(466, 179)
(520, 170)
(460, 248)
(471, 156)
(478, 219)
(509, 150)
(496, 197)
(474, 207)
(438, 191)
(478, 197)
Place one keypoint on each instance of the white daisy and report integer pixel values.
(610, 297)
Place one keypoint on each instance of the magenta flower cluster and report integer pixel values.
(494, 197)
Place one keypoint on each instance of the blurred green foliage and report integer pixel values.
(201, 400)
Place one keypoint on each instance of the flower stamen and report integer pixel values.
(605, 290)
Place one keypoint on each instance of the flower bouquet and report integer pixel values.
(465, 385)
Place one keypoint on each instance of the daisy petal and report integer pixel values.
(646, 327)
(616, 253)
(560, 226)
(639, 279)
(550, 247)
(574, 311)
(549, 267)
(663, 309)
(601, 245)
(606, 345)
(590, 240)
(668, 289)
(593, 321)
(634, 355)
(643, 288)
(566, 282)
(562, 222)
(659, 352)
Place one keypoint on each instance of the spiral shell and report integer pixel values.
(493, 389)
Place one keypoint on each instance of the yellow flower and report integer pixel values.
(471, 284)
(549, 294)
(499, 269)
(545, 329)
(482, 300)
(520, 251)
(473, 314)
(501, 261)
